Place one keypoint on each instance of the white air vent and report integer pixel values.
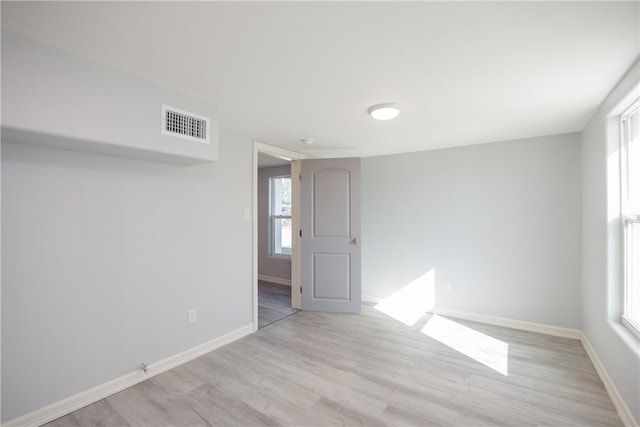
(182, 124)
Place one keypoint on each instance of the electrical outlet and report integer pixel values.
(447, 287)
(192, 315)
(247, 213)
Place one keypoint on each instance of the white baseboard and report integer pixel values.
(276, 280)
(65, 406)
(497, 321)
(371, 299)
(622, 408)
(540, 328)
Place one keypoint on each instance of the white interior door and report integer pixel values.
(330, 242)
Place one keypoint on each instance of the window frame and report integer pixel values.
(273, 218)
(627, 217)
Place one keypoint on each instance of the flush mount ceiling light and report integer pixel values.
(385, 111)
(307, 141)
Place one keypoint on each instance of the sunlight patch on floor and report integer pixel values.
(411, 302)
(480, 347)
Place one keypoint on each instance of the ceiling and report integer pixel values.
(464, 72)
(267, 161)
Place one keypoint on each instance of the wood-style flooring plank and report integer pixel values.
(99, 414)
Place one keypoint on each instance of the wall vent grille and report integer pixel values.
(182, 124)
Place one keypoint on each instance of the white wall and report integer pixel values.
(500, 222)
(278, 267)
(602, 275)
(102, 257)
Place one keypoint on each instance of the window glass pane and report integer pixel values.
(280, 215)
(282, 236)
(634, 125)
(632, 291)
(281, 195)
(631, 204)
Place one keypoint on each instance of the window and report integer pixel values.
(280, 215)
(630, 133)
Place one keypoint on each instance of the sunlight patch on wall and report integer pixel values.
(411, 302)
(480, 347)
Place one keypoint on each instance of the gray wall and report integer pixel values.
(268, 265)
(500, 222)
(102, 257)
(602, 275)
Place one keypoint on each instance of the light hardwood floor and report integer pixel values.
(319, 369)
(274, 303)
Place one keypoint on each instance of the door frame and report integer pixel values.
(294, 158)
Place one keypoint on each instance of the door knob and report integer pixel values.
(355, 241)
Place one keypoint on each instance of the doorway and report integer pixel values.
(332, 245)
(275, 243)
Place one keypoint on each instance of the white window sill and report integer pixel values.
(279, 256)
(631, 326)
